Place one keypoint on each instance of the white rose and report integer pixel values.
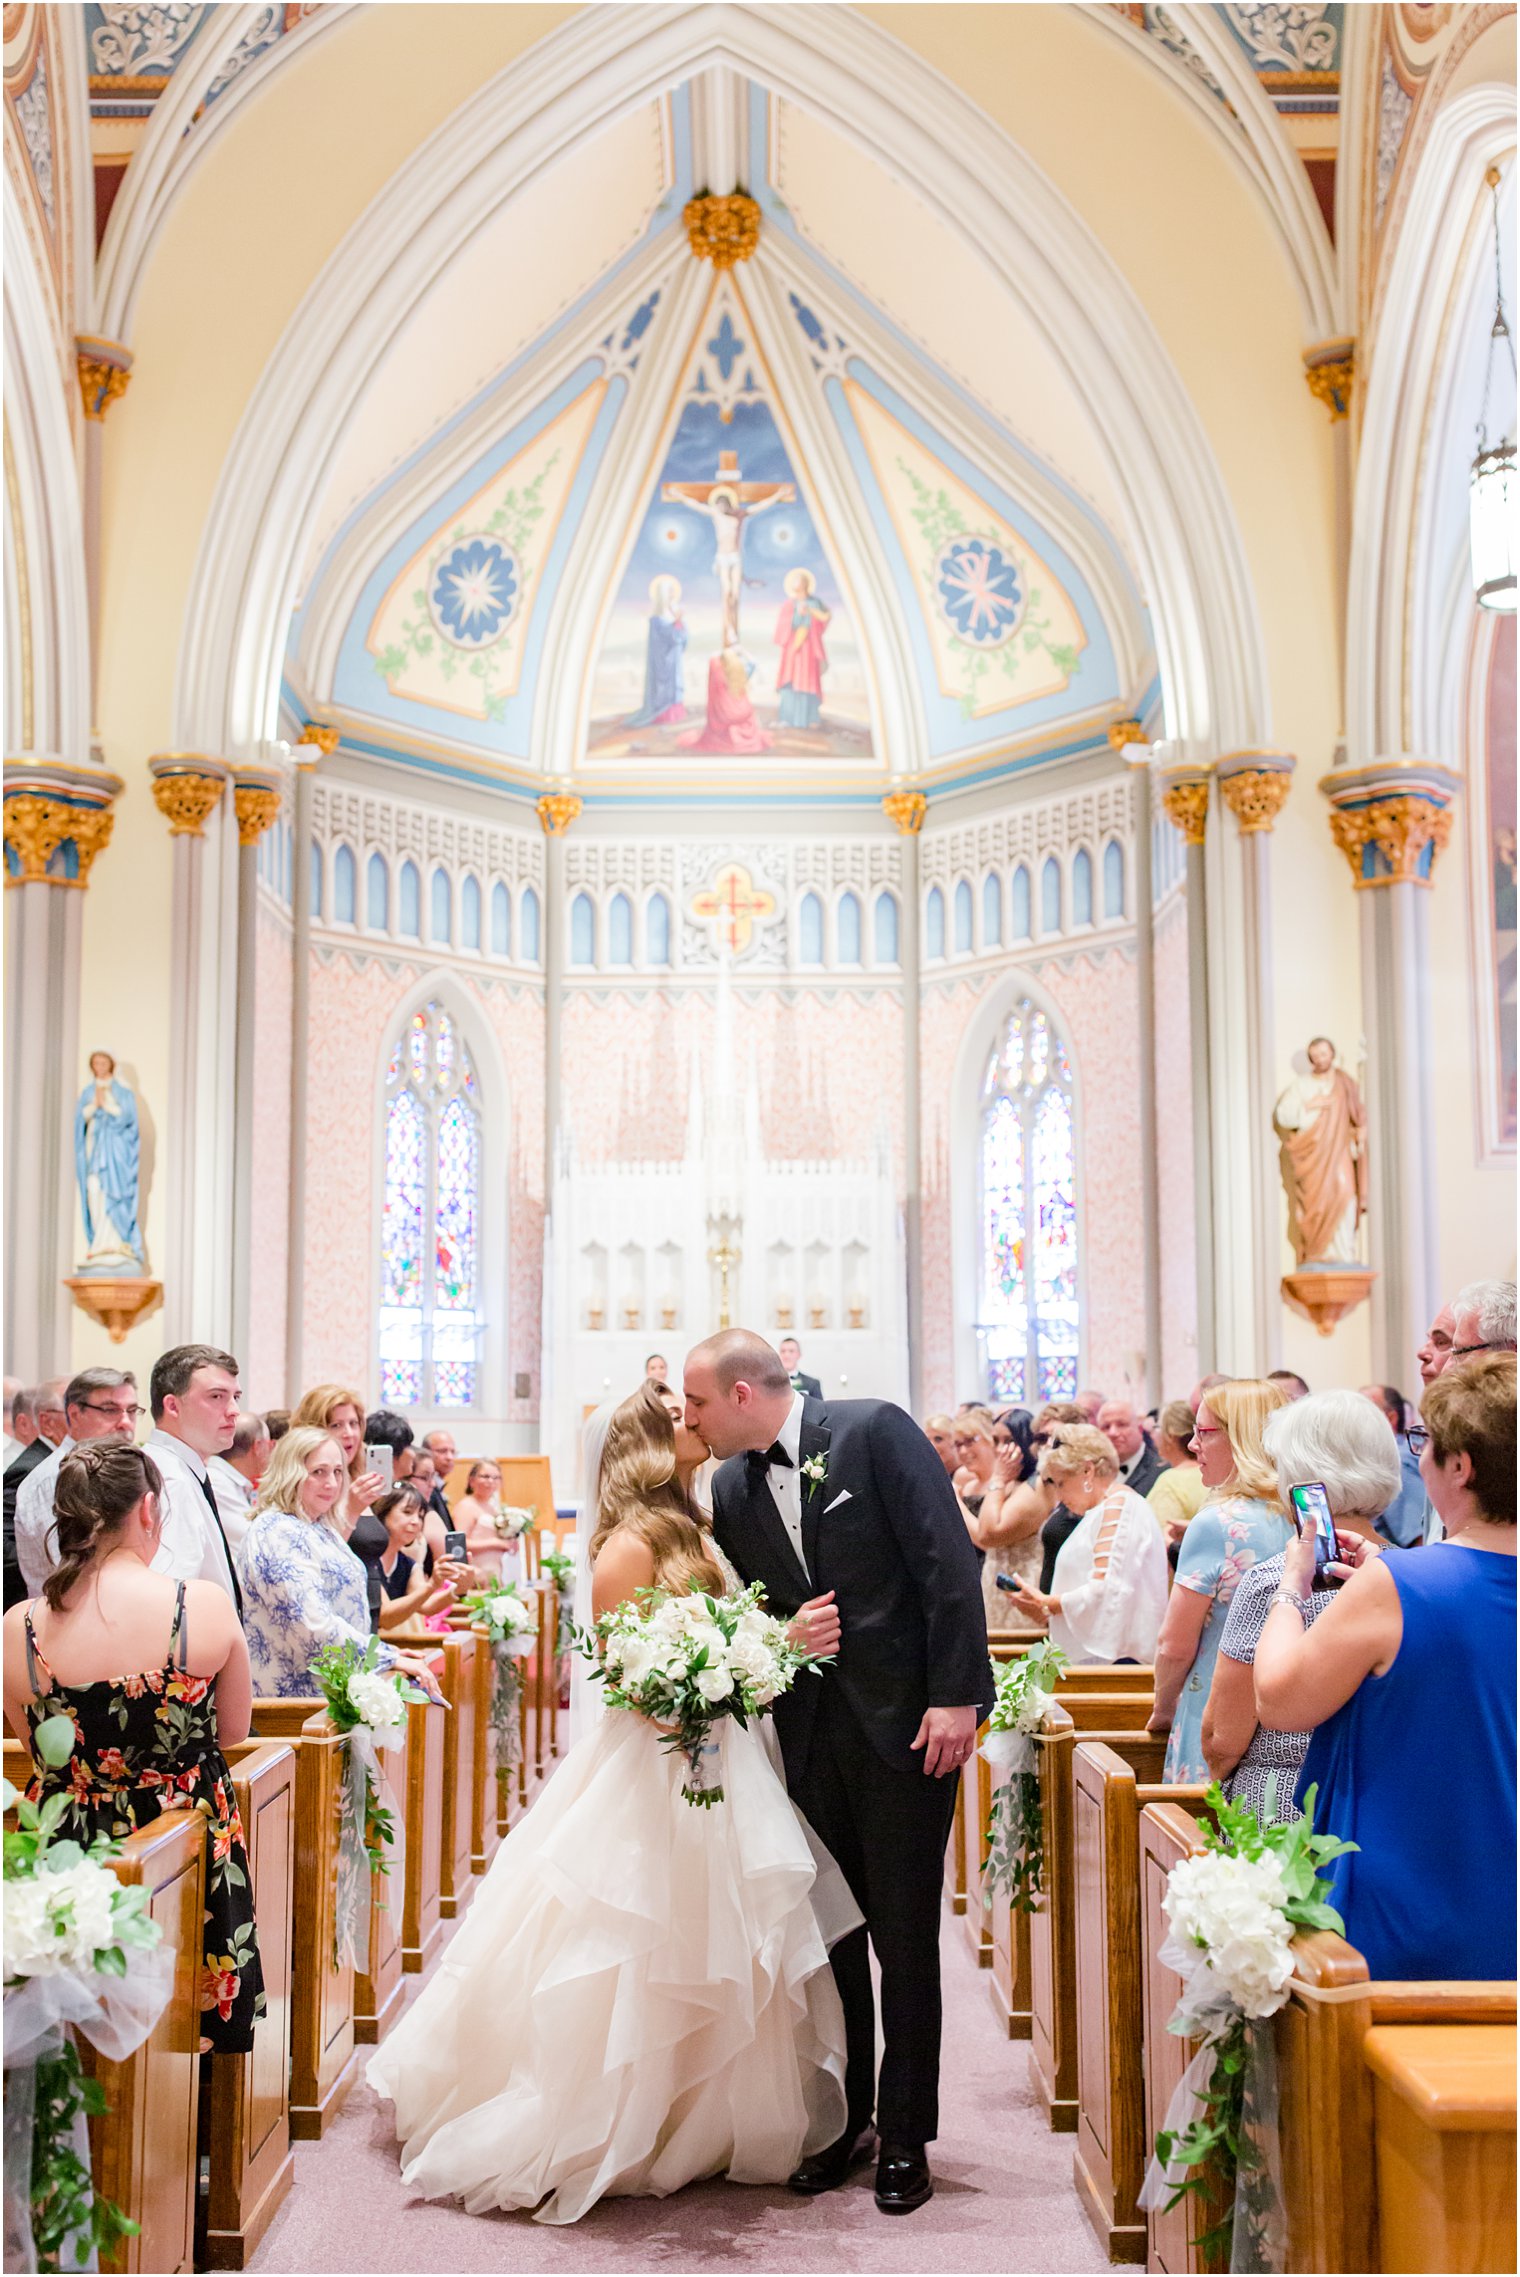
(708, 1639)
(637, 1663)
(715, 1683)
(375, 1700)
(89, 1892)
(753, 1659)
(31, 1943)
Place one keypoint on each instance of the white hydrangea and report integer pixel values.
(509, 1615)
(1033, 1711)
(1231, 1908)
(58, 1921)
(375, 1700)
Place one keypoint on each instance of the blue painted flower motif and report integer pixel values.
(473, 592)
(980, 591)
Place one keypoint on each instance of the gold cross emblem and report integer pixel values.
(735, 902)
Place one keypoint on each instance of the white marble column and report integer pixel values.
(556, 811)
(1127, 736)
(1184, 787)
(256, 796)
(1391, 819)
(906, 811)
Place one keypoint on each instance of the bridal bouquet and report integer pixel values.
(512, 1523)
(82, 1953)
(1015, 1861)
(1233, 1912)
(690, 1661)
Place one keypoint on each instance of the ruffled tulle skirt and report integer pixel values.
(639, 1996)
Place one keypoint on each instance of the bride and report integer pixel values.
(640, 1996)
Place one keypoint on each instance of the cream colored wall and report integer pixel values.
(274, 196)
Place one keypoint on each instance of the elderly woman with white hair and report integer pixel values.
(1346, 1443)
(1109, 1586)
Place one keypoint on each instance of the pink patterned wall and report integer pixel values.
(264, 1360)
(1174, 1149)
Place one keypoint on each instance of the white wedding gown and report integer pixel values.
(639, 1996)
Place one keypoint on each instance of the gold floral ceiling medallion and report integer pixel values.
(723, 230)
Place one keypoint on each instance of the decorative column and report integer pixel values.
(1185, 803)
(1391, 819)
(197, 1158)
(256, 798)
(1254, 786)
(1330, 372)
(905, 810)
(1128, 739)
(317, 743)
(556, 811)
(58, 817)
(104, 368)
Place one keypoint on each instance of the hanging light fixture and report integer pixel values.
(1492, 491)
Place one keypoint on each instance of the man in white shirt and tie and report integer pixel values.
(193, 1393)
(99, 1403)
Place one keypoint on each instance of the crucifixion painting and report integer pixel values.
(729, 502)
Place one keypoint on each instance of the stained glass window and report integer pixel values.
(430, 1321)
(847, 930)
(657, 930)
(810, 930)
(620, 931)
(886, 929)
(582, 930)
(1027, 1303)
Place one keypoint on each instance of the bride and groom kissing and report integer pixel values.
(645, 1994)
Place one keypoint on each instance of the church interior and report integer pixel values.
(843, 669)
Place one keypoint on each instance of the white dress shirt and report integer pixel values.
(9, 1449)
(36, 1548)
(786, 1485)
(191, 1549)
(234, 1499)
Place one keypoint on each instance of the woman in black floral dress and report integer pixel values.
(149, 1741)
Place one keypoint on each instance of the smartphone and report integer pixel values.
(1006, 1581)
(383, 1460)
(453, 1546)
(1311, 1511)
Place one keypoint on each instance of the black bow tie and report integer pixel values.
(759, 1461)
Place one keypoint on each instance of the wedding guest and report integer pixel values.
(478, 1515)
(38, 1420)
(791, 1359)
(1403, 1522)
(1483, 1319)
(384, 1428)
(406, 1592)
(1109, 1586)
(276, 1422)
(330, 1407)
(441, 1446)
(99, 1403)
(657, 1369)
(1090, 1402)
(975, 1455)
(1139, 1464)
(11, 1445)
(1343, 1440)
(235, 1476)
(1204, 1384)
(193, 1393)
(1290, 1384)
(1177, 1495)
(1430, 1890)
(1062, 1522)
(1242, 1522)
(303, 1587)
(1014, 1509)
(939, 1430)
(154, 1732)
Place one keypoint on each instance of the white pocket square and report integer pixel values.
(842, 1496)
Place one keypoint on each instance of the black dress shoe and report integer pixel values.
(827, 2169)
(903, 2180)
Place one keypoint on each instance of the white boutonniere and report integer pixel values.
(816, 1470)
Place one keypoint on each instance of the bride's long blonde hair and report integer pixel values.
(639, 1489)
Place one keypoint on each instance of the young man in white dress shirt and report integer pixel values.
(100, 1403)
(193, 1393)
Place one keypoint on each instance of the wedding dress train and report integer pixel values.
(639, 1997)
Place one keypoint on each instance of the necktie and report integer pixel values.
(221, 1531)
(776, 1453)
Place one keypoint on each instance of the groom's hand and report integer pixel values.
(947, 1736)
(815, 1626)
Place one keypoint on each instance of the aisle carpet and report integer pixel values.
(1004, 2201)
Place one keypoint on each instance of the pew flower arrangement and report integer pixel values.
(1015, 1862)
(511, 1623)
(370, 1708)
(559, 1565)
(82, 1954)
(689, 1661)
(1233, 1913)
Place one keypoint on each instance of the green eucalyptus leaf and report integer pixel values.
(53, 1740)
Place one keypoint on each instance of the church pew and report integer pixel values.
(1327, 2093)
(457, 1682)
(144, 2149)
(1119, 1718)
(379, 1987)
(542, 1673)
(955, 1848)
(485, 1811)
(322, 2062)
(1169, 1832)
(252, 2165)
(422, 1894)
(1111, 2150)
(1444, 2120)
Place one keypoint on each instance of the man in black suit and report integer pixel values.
(44, 1408)
(844, 1512)
(791, 1359)
(1139, 1464)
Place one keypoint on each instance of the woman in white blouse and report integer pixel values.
(1108, 1591)
(303, 1587)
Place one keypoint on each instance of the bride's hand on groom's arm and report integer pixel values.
(814, 1626)
(947, 1737)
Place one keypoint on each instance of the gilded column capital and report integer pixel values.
(1391, 819)
(1185, 796)
(34, 831)
(1255, 785)
(186, 787)
(1123, 732)
(1330, 370)
(52, 804)
(905, 810)
(556, 811)
(104, 368)
(325, 738)
(722, 230)
(255, 807)
(91, 832)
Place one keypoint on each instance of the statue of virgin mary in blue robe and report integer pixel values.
(107, 1161)
(664, 658)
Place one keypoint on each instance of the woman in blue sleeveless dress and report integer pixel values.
(1408, 1685)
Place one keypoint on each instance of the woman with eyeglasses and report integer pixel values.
(1242, 1522)
(1342, 1440)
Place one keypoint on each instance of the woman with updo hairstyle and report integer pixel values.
(151, 1740)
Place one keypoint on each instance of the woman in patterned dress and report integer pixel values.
(151, 1740)
(1344, 1441)
(1242, 1522)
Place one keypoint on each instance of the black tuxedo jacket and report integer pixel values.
(884, 1533)
(809, 1386)
(26, 1462)
(1146, 1471)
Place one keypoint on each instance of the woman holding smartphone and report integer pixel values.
(1341, 1443)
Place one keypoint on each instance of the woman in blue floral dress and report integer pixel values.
(150, 1741)
(1242, 1522)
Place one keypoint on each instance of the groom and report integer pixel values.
(843, 1510)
